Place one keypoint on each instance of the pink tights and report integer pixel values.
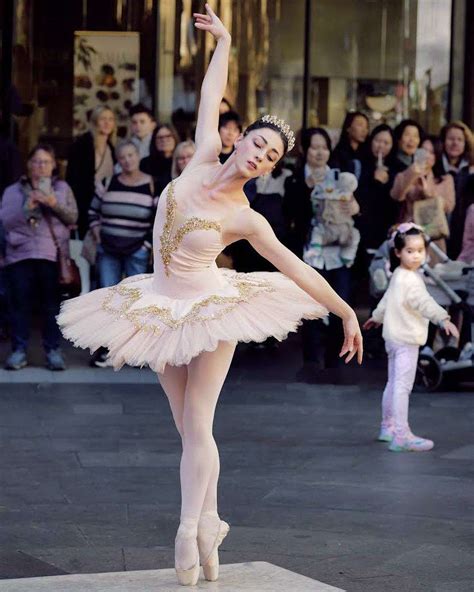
(193, 391)
(402, 361)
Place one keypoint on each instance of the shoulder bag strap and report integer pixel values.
(49, 222)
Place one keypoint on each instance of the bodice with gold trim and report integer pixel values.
(185, 247)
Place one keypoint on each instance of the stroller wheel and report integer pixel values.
(428, 374)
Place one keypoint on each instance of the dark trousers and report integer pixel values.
(321, 342)
(30, 282)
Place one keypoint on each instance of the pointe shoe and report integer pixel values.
(211, 532)
(190, 576)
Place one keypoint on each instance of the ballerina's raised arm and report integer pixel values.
(208, 142)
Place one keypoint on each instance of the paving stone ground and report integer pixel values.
(89, 479)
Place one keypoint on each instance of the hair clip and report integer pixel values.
(402, 229)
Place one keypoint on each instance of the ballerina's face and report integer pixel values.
(258, 152)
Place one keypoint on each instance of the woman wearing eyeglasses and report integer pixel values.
(162, 146)
(33, 206)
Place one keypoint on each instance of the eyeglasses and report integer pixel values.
(164, 137)
(41, 162)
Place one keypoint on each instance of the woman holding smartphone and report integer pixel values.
(425, 197)
(29, 207)
(378, 210)
(408, 135)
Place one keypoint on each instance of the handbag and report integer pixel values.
(89, 248)
(69, 276)
(89, 244)
(429, 214)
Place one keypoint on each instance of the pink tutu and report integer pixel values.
(142, 327)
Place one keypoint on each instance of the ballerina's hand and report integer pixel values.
(210, 22)
(353, 343)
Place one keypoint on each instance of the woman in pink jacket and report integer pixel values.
(418, 182)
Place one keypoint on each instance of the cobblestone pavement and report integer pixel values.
(89, 478)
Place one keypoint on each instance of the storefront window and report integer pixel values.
(266, 63)
(43, 62)
(387, 58)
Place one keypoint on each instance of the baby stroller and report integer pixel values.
(451, 284)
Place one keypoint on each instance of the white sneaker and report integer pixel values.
(410, 443)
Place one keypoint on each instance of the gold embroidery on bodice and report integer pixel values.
(170, 242)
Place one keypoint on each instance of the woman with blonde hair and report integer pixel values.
(183, 153)
(457, 160)
(91, 160)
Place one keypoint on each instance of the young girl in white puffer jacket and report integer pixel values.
(405, 311)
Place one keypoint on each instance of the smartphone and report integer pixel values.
(421, 157)
(44, 185)
(380, 161)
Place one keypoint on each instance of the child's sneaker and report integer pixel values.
(386, 434)
(410, 443)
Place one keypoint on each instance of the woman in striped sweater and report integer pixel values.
(121, 220)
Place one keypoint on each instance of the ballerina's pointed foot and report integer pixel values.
(185, 550)
(211, 532)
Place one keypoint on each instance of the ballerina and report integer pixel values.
(185, 319)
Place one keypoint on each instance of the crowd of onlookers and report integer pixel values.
(329, 205)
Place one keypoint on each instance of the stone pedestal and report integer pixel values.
(237, 577)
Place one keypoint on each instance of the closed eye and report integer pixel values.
(257, 145)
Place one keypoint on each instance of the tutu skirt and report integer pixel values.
(142, 327)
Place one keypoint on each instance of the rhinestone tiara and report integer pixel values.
(283, 127)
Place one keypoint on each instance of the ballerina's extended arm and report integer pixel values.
(208, 142)
(253, 227)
